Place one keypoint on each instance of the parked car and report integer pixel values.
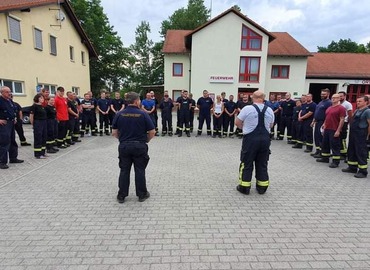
(26, 114)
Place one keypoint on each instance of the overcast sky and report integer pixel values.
(311, 22)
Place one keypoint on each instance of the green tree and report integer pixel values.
(189, 18)
(109, 70)
(141, 51)
(345, 45)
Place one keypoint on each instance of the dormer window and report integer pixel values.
(250, 40)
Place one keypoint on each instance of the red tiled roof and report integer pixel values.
(241, 15)
(286, 45)
(8, 5)
(175, 41)
(339, 65)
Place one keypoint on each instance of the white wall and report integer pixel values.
(216, 50)
(297, 73)
(176, 83)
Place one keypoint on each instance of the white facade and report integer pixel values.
(295, 84)
(174, 83)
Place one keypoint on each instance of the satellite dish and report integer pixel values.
(60, 16)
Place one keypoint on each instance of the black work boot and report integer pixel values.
(323, 160)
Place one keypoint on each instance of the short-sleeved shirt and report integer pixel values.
(321, 109)
(87, 102)
(148, 104)
(51, 113)
(185, 104)
(117, 104)
(308, 107)
(103, 104)
(62, 108)
(364, 115)
(240, 104)
(333, 115)
(38, 111)
(348, 106)
(166, 106)
(296, 111)
(132, 124)
(205, 105)
(72, 104)
(230, 106)
(273, 105)
(287, 107)
(249, 116)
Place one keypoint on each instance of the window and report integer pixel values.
(76, 90)
(53, 45)
(177, 69)
(15, 86)
(50, 87)
(280, 72)
(14, 29)
(83, 58)
(250, 40)
(38, 39)
(249, 69)
(71, 53)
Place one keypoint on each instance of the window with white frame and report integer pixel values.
(38, 39)
(51, 87)
(76, 90)
(83, 58)
(15, 86)
(71, 53)
(14, 29)
(53, 45)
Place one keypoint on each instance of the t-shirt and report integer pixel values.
(103, 104)
(230, 106)
(72, 104)
(321, 108)
(364, 115)
(287, 107)
(205, 105)
(88, 102)
(166, 106)
(185, 104)
(132, 124)
(38, 112)
(148, 104)
(50, 112)
(62, 108)
(333, 115)
(117, 104)
(308, 107)
(348, 106)
(249, 116)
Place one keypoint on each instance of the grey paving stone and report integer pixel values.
(61, 213)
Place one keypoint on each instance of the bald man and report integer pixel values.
(255, 121)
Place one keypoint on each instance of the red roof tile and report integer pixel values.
(339, 65)
(175, 41)
(6, 5)
(286, 45)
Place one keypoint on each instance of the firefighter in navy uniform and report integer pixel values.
(178, 113)
(239, 106)
(51, 127)
(296, 125)
(103, 108)
(255, 121)
(204, 104)
(8, 145)
(318, 120)
(299, 131)
(229, 116)
(72, 118)
(184, 109)
(192, 108)
(166, 106)
(134, 129)
(306, 116)
(358, 135)
(19, 123)
(38, 119)
(88, 117)
(286, 108)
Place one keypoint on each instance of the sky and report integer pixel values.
(311, 22)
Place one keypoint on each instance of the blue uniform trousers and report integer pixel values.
(207, 118)
(8, 145)
(39, 137)
(318, 135)
(132, 153)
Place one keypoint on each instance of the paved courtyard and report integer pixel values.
(61, 213)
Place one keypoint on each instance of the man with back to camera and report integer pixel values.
(134, 129)
(255, 121)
